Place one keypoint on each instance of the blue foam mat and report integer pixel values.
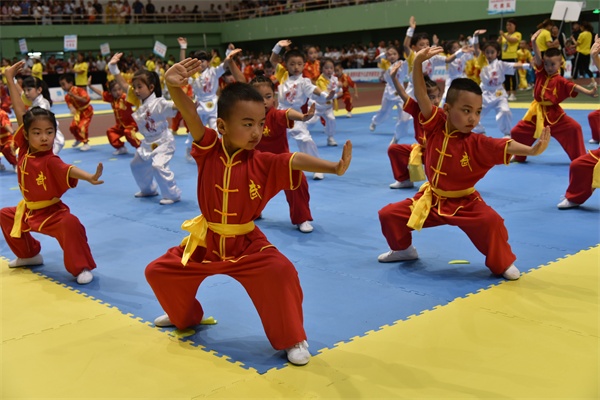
(347, 292)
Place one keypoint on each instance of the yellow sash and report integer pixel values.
(421, 208)
(32, 205)
(197, 228)
(415, 163)
(535, 109)
(596, 176)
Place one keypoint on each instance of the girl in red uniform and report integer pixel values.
(43, 179)
(125, 126)
(6, 140)
(235, 183)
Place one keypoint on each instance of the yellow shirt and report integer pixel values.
(543, 39)
(150, 65)
(584, 42)
(37, 70)
(509, 50)
(2, 69)
(216, 62)
(81, 73)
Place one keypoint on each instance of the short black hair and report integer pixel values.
(293, 53)
(416, 38)
(37, 83)
(234, 93)
(149, 78)
(261, 79)
(201, 55)
(68, 77)
(462, 85)
(552, 52)
(36, 113)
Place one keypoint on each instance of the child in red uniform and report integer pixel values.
(78, 100)
(43, 179)
(549, 91)
(406, 159)
(312, 67)
(125, 125)
(346, 83)
(584, 172)
(234, 185)
(6, 140)
(274, 140)
(455, 160)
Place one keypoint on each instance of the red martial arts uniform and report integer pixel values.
(232, 192)
(274, 140)
(454, 163)
(178, 118)
(312, 70)
(545, 110)
(43, 179)
(6, 138)
(581, 177)
(399, 154)
(346, 83)
(125, 125)
(83, 116)
(594, 119)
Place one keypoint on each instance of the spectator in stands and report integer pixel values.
(138, 11)
(150, 11)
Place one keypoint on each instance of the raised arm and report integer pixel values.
(237, 74)
(595, 52)
(113, 68)
(419, 80)
(229, 60)
(476, 50)
(182, 47)
(277, 49)
(305, 162)
(398, 85)
(537, 58)
(412, 25)
(93, 89)
(14, 91)
(176, 77)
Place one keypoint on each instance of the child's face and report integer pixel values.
(294, 65)
(116, 91)
(267, 93)
(421, 44)
(41, 135)
(435, 95)
(203, 65)
(312, 54)
(490, 53)
(464, 114)
(327, 69)
(522, 44)
(31, 93)
(552, 64)
(339, 71)
(65, 86)
(269, 71)
(455, 47)
(244, 127)
(392, 55)
(141, 90)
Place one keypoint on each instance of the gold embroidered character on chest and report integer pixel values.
(41, 180)
(266, 131)
(464, 161)
(254, 188)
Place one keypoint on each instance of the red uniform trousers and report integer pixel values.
(399, 155)
(7, 151)
(80, 128)
(115, 133)
(268, 276)
(479, 221)
(56, 221)
(566, 131)
(347, 99)
(594, 119)
(176, 121)
(581, 173)
(298, 200)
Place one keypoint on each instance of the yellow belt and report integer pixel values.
(197, 228)
(535, 109)
(421, 208)
(32, 205)
(415, 163)
(596, 176)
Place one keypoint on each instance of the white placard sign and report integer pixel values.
(502, 6)
(23, 46)
(70, 43)
(566, 11)
(105, 49)
(160, 49)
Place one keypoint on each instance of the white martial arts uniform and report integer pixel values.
(59, 139)
(325, 110)
(494, 95)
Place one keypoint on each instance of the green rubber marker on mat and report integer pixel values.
(459, 262)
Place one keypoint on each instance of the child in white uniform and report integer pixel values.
(150, 165)
(456, 68)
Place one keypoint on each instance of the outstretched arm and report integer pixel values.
(78, 173)
(176, 77)
(419, 79)
(298, 116)
(93, 89)
(113, 67)
(305, 162)
(519, 149)
(15, 93)
(398, 85)
(277, 49)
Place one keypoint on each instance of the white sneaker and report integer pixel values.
(85, 147)
(76, 143)
(298, 354)
(512, 97)
(507, 136)
(409, 253)
(25, 262)
(305, 227)
(318, 176)
(511, 273)
(85, 277)
(142, 194)
(349, 115)
(565, 204)
(166, 202)
(372, 127)
(592, 141)
(119, 151)
(163, 321)
(402, 185)
(331, 141)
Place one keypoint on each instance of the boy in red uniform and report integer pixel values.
(346, 83)
(455, 160)
(545, 110)
(125, 125)
(6, 140)
(234, 185)
(78, 100)
(43, 179)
